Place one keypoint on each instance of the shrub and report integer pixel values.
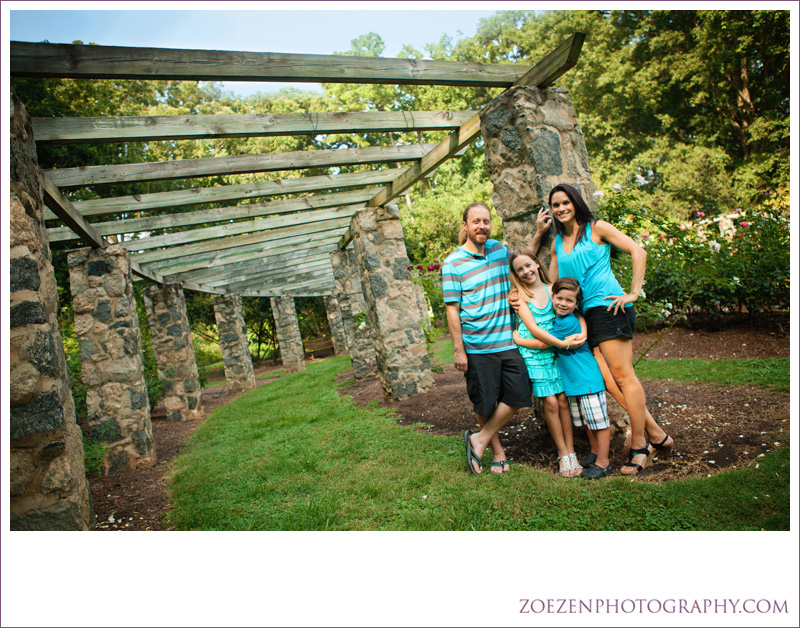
(695, 271)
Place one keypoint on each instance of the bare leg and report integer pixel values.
(592, 440)
(654, 431)
(498, 454)
(603, 440)
(481, 440)
(552, 417)
(618, 354)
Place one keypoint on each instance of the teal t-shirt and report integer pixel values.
(579, 370)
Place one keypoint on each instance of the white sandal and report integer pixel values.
(565, 467)
(577, 469)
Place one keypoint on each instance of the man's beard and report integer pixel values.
(472, 238)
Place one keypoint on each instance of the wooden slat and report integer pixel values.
(63, 208)
(266, 294)
(554, 64)
(234, 164)
(226, 193)
(337, 217)
(155, 128)
(222, 214)
(46, 60)
(321, 269)
(308, 280)
(314, 232)
(542, 74)
(268, 251)
(248, 269)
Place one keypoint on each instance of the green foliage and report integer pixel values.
(93, 455)
(294, 455)
(694, 270)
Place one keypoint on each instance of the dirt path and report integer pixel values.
(714, 427)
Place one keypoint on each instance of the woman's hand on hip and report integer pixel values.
(621, 301)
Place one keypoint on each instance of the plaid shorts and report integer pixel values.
(589, 410)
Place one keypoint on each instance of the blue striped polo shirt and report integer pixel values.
(480, 285)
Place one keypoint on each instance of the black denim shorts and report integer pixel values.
(603, 325)
(497, 377)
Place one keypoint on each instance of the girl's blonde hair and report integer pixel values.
(524, 294)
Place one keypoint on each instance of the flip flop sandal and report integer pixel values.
(499, 464)
(593, 472)
(471, 455)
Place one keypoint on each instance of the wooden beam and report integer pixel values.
(211, 275)
(220, 259)
(63, 208)
(332, 218)
(44, 60)
(308, 280)
(192, 127)
(317, 269)
(554, 64)
(234, 164)
(222, 214)
(542, 74)
(297, 236)
(296, 292)
(225, 193)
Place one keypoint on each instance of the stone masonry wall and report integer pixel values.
(174, 351)
(403, 363)
(48, 488)
(335, 324)
(533, 142)
(354, 308)
(233, 343)
(288, 332)
(112, 368)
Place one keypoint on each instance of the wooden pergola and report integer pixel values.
(267, 248)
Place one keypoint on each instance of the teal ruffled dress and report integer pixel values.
(541, 363)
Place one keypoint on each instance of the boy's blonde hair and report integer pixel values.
(524, 294)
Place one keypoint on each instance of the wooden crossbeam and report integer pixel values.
(269, 252)
(222, 214)
(155, 128)
(46, 60)
(248, 268)
(305, 280)
(226, 193)
(335, 217)
(233, 164)
(541, 75)
(63, 208)
(308, 234)
(291, 292)
(320, 268)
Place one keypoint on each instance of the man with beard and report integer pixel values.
(475, 283)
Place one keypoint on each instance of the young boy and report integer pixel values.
(583, 381)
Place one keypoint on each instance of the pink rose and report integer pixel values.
(744, 224)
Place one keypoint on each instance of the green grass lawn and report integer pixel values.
(294, 455)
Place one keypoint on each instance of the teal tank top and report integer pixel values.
(590, 264)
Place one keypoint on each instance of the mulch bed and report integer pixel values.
(714, 427)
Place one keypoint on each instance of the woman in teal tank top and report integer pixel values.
(582, 249)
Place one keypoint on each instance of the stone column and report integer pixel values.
(354, 313)
(533, 142)
(233, 343)
(112, 367)
(288, 331)
(334, 313)
(174, 351)
(403, 363)
(48, 488)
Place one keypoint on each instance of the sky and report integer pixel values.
(306, 30)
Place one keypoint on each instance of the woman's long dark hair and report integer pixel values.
(583, 215)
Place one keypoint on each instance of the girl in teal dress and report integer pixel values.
(536, 311)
